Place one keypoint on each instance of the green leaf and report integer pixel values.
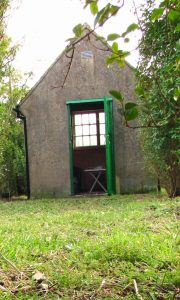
(113, 36)
(116, 94)
(121, 63)
(177, 95)
(131, 114)
(78, 30)
(164, 3)
(94, 8)
(177, 29)
(100, 38)
(130, 28)
(157, 13)
(97, 18)
(173, 15)
(114, 9)
(110, 60)
(123, 54)
(102, 15)
(139, 90)
(114, 47)
(130, 105)
(131, 111)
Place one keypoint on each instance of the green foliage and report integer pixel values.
(130, 28)
(131, 111)
(117, 95)
(12, 156)
(12, 171)
(113, 36)
(94, 7)
(79, 243)
(158, 92)
(158, 84)
(105, 13)
(157, 13)
(78, 30)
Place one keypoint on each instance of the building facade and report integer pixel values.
(73, 126)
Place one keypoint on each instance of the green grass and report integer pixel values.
(90, 248)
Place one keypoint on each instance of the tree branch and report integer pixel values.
(68, 70)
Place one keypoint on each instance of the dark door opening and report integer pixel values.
(91, 146)
(89, 152)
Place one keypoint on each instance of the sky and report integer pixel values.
(42, 27)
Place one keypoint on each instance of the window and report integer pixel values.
(89, 129)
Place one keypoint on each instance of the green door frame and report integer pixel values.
(110, 162)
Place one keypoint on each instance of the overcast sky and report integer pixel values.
(43, 26)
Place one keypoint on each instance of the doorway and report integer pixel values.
(91, 146)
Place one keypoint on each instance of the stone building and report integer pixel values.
(75, 137)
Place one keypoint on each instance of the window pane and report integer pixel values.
(86, 141)
(78, 141)
(102, 140)
(93, 129)
(92, 118)
(102, 128)
(86, 130)
(93, 140)
(77, 119)
(101, 117)
(85, 119)
(78, 130)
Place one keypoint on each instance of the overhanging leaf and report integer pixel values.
(131, 114)
(102, 15)
(157, 13)
(100, 38)
(97, 18)
(114, 47)
(78, 30)
(121, 63)
(177, 95)
(94, 8)
(130, 28)
(173, 15)
(177, 29)
(123, 54)
(116, 94)
(110, 60)
(139, 90)
(130, 105)
(114, 9)
(113, 36)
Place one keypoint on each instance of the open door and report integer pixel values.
(110, 163)
(99, 153)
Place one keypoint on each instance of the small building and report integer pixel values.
(76, 140)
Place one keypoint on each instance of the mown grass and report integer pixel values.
(91, 248)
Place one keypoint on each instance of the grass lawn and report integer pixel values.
(119, 247)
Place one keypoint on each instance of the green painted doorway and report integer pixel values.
(101, 106)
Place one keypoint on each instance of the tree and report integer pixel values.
(11, 134)
(158, 89)
(157, 76)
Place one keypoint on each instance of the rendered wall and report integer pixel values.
(46, 113)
